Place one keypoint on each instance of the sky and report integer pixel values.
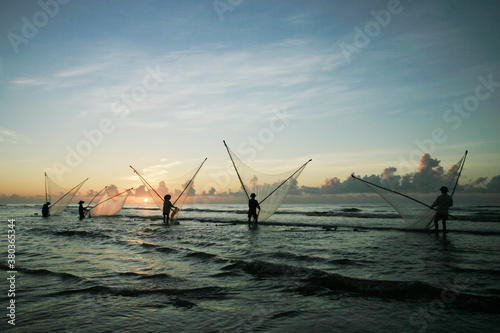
(88, 88)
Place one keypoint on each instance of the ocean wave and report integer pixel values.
(346, 262)
(264, 268)
(403, 290)
(311, 281)
(332, 227)
(143, 276)
(44, 272)
(211, 210)
(473, 214)
(286, 314)
(292, 256)
(80, 233)
(201, 255)
(199, 293)
(187, 252)
(139, 208)
(150, 246)
(494, 272)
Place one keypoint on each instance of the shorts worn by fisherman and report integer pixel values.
(443, 203)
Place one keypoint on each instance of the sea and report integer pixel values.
(308, 268)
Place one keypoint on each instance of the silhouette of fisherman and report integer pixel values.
(81, 210)
(45, 209)
(167, 207)
(443, 203)
(253, 204)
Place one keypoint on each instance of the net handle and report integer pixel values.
(234, 165)
(459, 173)
(105, 187)
(190, 181)
(46, 200)
(130, 189)
(144, 180)
(68, 192)
(293, 174)
(406, 196)
(389, 190)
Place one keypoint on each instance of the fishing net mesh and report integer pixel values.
(58, 196)
(178, 188)
(109, 205)
(270, 190)
(422, 186)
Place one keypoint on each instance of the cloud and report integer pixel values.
(112, 190)
(429, 172)
(91, 193)
(77, 71)
(213, 84)
(8, 136)
(158, 170)
(331, 185)
(162, 189)
(141, 191)
(494, 185)
(211, 192)
(23, 82)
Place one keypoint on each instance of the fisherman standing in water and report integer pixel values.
(443, 203)
(252, 210)
(167, 207)
(81, 210)
(45, 210)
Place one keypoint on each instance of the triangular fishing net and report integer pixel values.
(109, 205)
(58, 196)
(270, 190)
(412, 195)
(178, 188)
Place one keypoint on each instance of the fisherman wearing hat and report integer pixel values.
(252, 210)
(81, 210)
(443, 203)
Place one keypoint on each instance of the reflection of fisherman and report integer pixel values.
(45, 210)
(81, 210)
(443, 203)
(252, 210)
(167, 207)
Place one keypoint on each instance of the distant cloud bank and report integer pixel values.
(334, 190)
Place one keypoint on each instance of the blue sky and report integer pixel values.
(88, 88)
